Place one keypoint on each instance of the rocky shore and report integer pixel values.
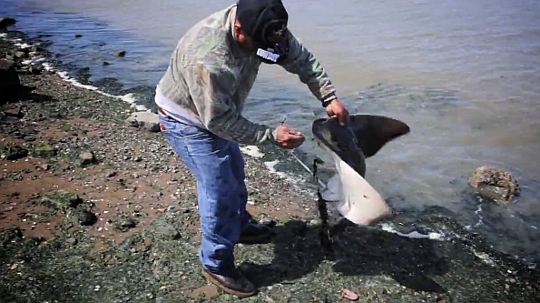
(94, 208)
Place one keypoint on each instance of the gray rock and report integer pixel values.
(145, 120)
(71, 241)
(86, 158)
(21, 54)
(495, 184)
(8, 75)
(125, 224)
(165, 230)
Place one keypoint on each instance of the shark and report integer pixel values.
(349, 146)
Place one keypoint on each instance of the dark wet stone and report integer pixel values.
(81, 216)
(35, 69)
(125, 224)
(14, 152)
(6, 21)
(61, 200)
(8, 75)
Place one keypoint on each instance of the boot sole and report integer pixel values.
(225, 288)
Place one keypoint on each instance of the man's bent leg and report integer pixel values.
(251, 231)
(240, 176)
(208, 157)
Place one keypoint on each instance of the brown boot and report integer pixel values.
(234, 283)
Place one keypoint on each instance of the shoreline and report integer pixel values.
(95, 209)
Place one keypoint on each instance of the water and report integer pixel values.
(464, 75)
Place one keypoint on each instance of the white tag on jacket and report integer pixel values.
(267, 55)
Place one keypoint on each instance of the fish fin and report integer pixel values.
(373, 132)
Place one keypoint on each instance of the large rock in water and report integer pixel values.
(6, 21)
(495, 184)
(8, 75)
(146, 120)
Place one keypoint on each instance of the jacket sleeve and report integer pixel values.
(211, 91)
(303, 63)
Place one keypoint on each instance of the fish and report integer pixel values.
(349, 146)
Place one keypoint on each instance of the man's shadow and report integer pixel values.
(358, 251)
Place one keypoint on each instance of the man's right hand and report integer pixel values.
(288, 138)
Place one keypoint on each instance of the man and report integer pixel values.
(200, 100)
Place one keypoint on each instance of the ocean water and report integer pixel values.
(464, 75)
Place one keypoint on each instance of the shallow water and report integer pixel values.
(464, 75)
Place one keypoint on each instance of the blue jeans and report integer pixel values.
(218, 167)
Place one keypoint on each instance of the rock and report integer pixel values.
(146, 120)
(35, 69)
(81, 216)
(21, 54)
(121, 53)
(86, 158)
(165, 230)
(61, 200)
(15, 112)
(6, 21)
(44, 150)
(71, 241)
(349, 295)
(14, 152)
(125, 224)
(495, 184)
(8, 75)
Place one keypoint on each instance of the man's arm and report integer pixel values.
(210, 90)
(310, 71)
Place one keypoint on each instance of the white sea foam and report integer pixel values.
(252, 151)
(255, 152)
(414, 234)
(478, 212)
(128, 98)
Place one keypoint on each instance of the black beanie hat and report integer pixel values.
(260, 18)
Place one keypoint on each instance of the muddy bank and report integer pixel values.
(93, 209)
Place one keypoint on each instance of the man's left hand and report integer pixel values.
(336, 110)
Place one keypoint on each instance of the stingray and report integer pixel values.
(349, 146)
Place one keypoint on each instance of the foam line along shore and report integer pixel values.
(94, 208)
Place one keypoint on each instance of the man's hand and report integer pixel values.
(336, 109)
(288, 138)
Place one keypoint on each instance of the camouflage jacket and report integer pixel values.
(211, 76)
